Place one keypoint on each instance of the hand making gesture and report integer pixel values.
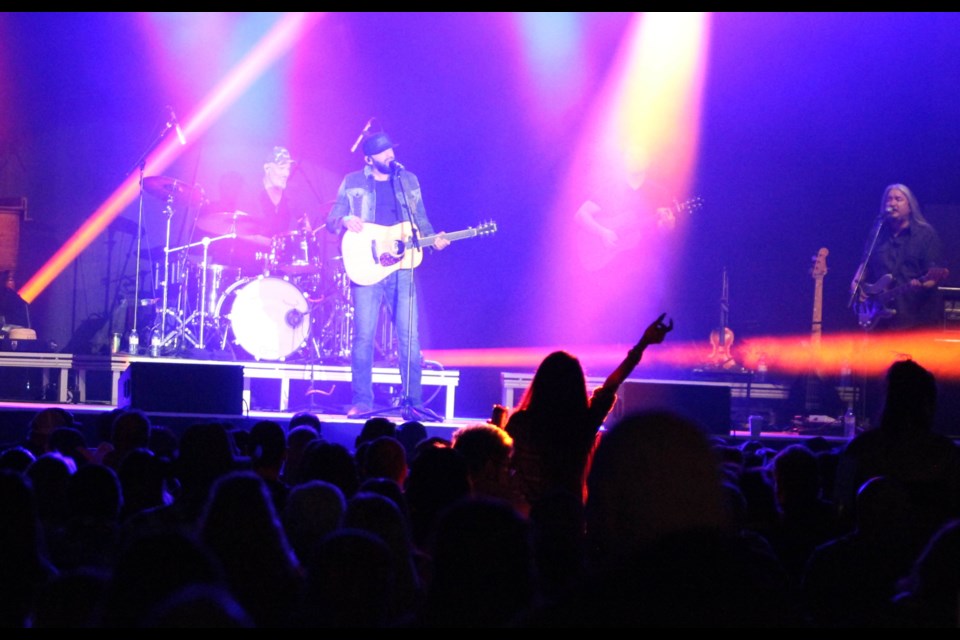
(657, 331)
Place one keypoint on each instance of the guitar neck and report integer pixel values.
(817, 311)
(429, 241)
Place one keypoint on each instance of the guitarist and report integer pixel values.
(622, 215)
(384, 193)
(908, 248)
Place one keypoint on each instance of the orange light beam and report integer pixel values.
(278, 41)
(866, 354)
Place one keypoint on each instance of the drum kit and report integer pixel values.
(285, 300)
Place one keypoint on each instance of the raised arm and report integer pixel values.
(654, 334)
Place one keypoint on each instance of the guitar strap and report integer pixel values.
(411, 199)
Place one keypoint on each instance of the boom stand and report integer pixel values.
(857, 281)
(141, 166)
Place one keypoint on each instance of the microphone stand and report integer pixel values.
(861, 271)
(857, 281)
(407, 410)
(141, 166)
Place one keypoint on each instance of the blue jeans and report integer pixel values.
(398, 292)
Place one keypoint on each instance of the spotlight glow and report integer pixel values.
(277, 42)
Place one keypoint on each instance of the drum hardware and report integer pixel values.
(226, 222)
(307, 315)
(173, 190)
(332, 312)
(175, 193)
(199, 317)
(294, 253)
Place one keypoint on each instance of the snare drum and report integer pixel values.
(294, 253)
(268, 317)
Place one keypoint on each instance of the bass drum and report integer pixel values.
(269, 318)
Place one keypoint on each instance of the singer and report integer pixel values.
(897, 289)
(381, 194)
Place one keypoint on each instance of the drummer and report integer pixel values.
(256, 217)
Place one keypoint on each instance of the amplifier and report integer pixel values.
(176, 387)
(705, 403)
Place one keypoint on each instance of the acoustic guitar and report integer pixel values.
(594, 253)
(378, 250)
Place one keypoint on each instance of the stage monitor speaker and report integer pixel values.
(707, 404)
(173, 387)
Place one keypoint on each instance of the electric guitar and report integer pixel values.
(814, 381)
(377, 250)
(819, 271)
(811, 396)
(876, 306)
(595, 253)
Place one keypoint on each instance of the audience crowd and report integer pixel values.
(645, 520)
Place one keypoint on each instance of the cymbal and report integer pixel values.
(224, 222)
(163, 187)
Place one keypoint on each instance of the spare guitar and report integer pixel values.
(814, 401)
(880, 294)
(378, 250)
(819, 271)
(721, 339)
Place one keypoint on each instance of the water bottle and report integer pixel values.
(133, 343)
(761, 373)
(849, 423)
(155, 343)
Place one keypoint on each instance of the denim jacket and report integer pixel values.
(357, 197)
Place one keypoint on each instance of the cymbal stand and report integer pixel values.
(205, 243)
(168, 212)
(179, 333)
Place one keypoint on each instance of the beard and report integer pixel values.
(383, 167)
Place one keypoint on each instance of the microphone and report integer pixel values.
(173, 122)
(396, 167)
(366, 128)
(889, 210)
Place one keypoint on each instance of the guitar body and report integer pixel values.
(721, 356)
(378, 250)
(721, 339)
(875, 307)
(631, 229)
(820, 397)
(595, 253)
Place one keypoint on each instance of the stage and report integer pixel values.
(177, 392)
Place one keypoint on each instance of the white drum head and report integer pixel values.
(269, 318)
